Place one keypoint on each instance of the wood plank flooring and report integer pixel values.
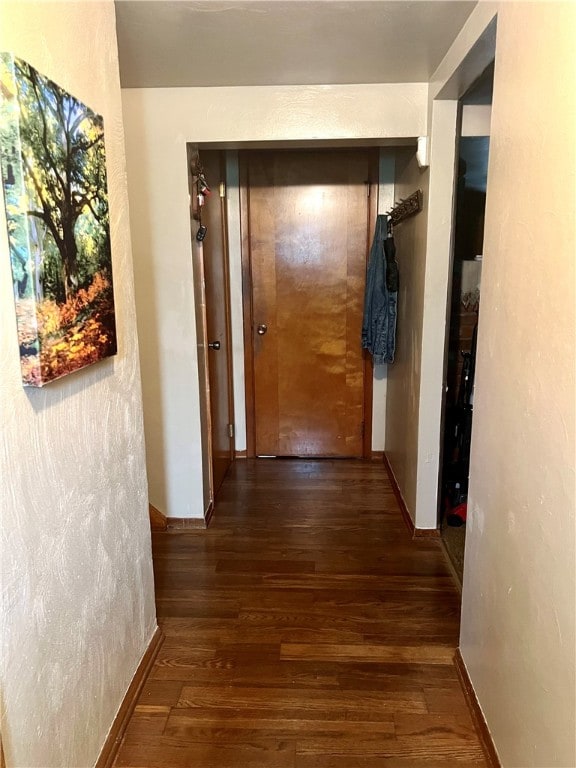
(304, 629)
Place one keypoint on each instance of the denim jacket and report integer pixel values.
(379, 323)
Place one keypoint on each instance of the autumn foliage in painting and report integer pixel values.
(53, 172)
(73, 334)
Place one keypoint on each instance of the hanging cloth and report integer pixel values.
(392, 277)
(381, 297)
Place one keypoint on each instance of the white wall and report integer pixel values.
(476, 120)
(517, 636)
(236, 304)
(77, 586)
(403, 392)
(158, 123)
(386, 180)
(438, 247)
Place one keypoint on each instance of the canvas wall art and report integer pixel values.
(54, 178)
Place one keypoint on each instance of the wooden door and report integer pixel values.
(217, 297)
(308, 217)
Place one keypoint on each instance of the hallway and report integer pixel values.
(303, 629)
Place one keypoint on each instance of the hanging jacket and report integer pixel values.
(380, 302)
(392, 276)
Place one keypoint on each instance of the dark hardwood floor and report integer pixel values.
(303, 629)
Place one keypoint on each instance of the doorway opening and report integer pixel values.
(211, 269)
(464, 305)
(378, 197)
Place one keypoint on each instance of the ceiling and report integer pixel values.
(167, 43)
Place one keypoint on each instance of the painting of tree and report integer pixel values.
(54, 179)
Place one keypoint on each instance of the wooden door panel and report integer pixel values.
(217, 320)
(263, 243)
(308, 218)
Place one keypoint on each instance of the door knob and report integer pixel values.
(214, 345)
(261, 330)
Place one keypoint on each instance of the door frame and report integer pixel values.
(248, 310)
(206, 422)
(456, 202)
(480, 56)
(222, 203)
(223, 193)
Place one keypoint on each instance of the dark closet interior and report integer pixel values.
(464, 306)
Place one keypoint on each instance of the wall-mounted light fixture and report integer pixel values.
(422, 152)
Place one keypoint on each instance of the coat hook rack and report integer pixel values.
(406, 207)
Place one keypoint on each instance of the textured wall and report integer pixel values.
(77, 589)
(404, 374)
(517, 634)
(158, 124)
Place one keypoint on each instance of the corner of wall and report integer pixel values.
(438, 260)
(78, 600)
